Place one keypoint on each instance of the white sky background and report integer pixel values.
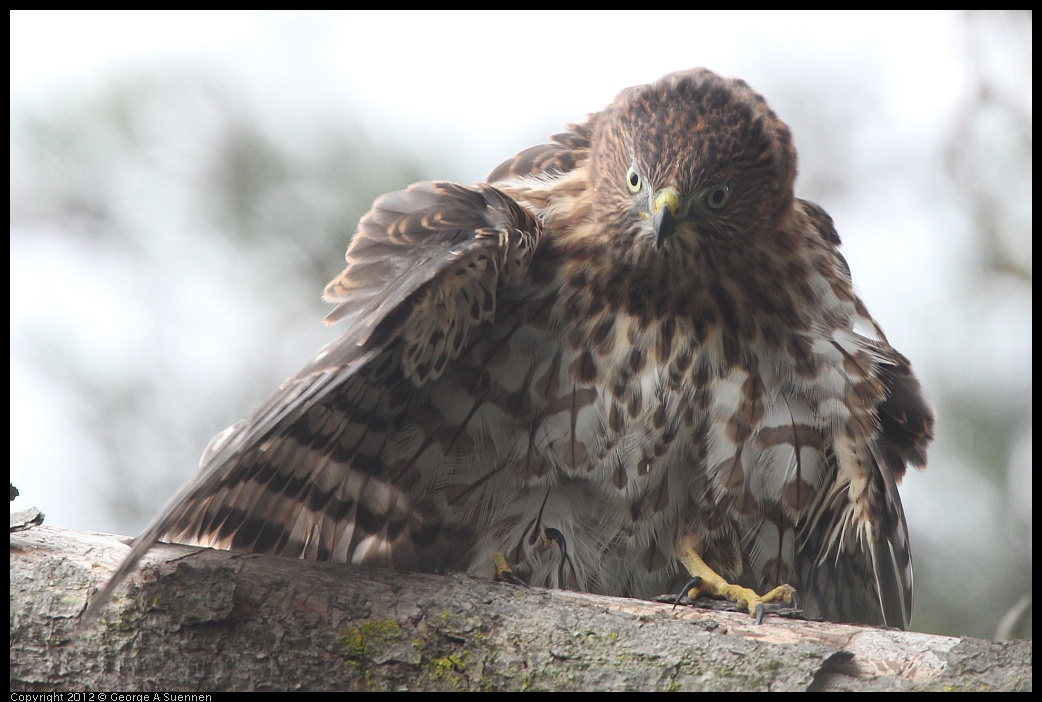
(472, 88)
(489, 74)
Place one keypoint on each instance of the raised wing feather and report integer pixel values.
(423, 273)
(562, 154)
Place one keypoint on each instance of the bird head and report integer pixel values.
(690, 159)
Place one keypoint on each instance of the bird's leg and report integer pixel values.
(706, 581)
(550, 537)
(503, 570)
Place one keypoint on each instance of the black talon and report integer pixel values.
(693, 582)
(558, 538)
(760, 611)
(509, 577)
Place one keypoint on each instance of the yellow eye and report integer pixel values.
(716, 196)
(633, 180)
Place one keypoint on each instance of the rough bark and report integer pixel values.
(200, 620)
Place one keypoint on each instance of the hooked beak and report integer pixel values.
(664, 221)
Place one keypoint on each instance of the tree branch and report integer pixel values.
(203, 620)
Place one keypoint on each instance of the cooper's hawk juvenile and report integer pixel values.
(630, 357)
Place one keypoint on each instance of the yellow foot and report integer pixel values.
(705, 582)
(503, 571)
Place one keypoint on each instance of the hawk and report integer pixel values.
(629, 360)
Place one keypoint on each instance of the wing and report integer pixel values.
(857, 559)
(301, 476)
(821, 508)
(563, 154)
(858, 556)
